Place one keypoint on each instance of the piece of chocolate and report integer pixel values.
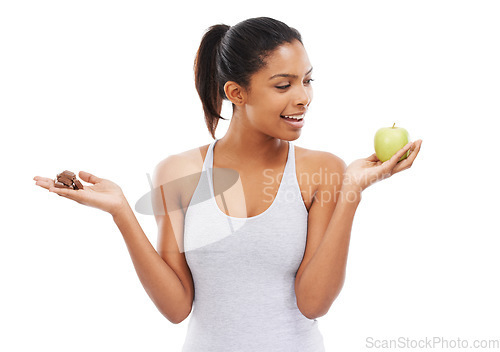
(60, 185)
(69, 173)
(77, 185)
(66, 174)
(68, 182)
(67, 179)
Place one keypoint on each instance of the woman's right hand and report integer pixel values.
(102, 194)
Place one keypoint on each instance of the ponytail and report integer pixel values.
(207, 77)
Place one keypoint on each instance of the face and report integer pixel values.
(281, 88)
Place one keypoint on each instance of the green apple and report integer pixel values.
(389, 140)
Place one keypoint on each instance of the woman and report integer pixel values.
(255, 264)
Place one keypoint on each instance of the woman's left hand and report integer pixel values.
(362, 173)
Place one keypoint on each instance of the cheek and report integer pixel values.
(274, 103)
(268, 103)
(280, 99)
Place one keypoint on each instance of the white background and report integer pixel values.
(107, 87)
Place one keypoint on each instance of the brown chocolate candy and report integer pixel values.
(77, 185)
(67, 179)
(60, 185)
(68, 173)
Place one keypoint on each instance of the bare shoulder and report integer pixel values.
(180, 173)
(195, 155)
(184, 162)
(318, 161)
(316, 154)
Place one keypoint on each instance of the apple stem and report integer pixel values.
(394, 125)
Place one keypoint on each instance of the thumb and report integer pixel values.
(88, 177)
(373, 157)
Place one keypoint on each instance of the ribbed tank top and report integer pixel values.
(244, 272)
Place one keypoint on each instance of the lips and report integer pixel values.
(296, 123)
(294, 116)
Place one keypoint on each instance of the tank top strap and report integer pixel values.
(290, 162)
(289, 188)
(207, 164)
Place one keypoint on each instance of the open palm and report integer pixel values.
(102, 194)
(362, 173)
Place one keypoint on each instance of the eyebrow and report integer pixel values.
(288, 75)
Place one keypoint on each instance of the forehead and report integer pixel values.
(287, 58)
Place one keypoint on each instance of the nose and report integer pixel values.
(304, 96)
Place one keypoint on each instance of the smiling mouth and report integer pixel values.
(293, 118)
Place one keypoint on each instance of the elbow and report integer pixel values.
(184, 316)
(176, 319)
(308, 315)
(318, 307)
(312, 314)
(308, 304)
(308, 311)
(179, 315)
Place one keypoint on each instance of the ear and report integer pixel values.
(235, 93)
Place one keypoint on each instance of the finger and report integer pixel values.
(65, 192)
(45, 184)
(408, 162)
(40, 178)
(391, 163)
(415, 149)
(373, 157)
(88, 177)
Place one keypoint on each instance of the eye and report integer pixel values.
(309, 81)
(283, 87)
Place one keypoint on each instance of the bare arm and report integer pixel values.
(158, 279)
(323, 277)
(322, 273)
(165, 274)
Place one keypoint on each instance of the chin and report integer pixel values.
(289, 138)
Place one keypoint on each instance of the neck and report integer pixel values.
(244, 145)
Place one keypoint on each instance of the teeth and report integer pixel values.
(298, 117)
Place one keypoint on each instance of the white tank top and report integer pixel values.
(244, 272)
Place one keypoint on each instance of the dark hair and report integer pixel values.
(234, 54)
